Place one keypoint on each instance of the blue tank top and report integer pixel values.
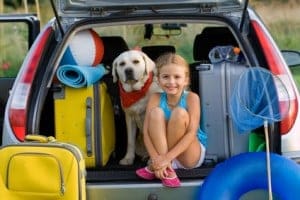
(163, 104)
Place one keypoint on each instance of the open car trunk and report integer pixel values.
(213, 82)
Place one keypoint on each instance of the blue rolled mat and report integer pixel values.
(80, 76)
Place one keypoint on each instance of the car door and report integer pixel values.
(17, 33)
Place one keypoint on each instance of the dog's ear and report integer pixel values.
(113, 71)
(150, 65)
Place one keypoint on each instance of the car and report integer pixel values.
(197, 30)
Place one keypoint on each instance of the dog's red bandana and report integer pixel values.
(129, 98)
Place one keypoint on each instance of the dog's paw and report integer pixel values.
(126, 161)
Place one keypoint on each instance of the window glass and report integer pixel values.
(13, 47)
(182, 38)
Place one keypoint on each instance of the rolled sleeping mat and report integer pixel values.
(80, 76)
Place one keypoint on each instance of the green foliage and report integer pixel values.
(13, 45)
(286, 34)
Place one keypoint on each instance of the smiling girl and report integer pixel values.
(172, 135)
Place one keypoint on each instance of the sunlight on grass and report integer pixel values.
(286, 34)
(283, 21)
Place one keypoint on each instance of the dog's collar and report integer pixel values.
(129, 98)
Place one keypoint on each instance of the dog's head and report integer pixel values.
(132, 68)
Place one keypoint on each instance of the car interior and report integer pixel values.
(213, 82)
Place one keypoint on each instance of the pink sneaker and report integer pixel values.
(145, 173)
(173, 181)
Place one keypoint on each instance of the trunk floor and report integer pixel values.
(115, 172)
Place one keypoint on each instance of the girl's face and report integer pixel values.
(172, 79)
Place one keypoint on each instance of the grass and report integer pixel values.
(13, 48)
(283, 21)
(287, 37)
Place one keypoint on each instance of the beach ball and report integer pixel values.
(85, 49)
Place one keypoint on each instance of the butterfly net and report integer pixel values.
(258, 97)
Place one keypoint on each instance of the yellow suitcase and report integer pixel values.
(42, 170)
(85, 117)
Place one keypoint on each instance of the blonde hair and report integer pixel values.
(172, 58)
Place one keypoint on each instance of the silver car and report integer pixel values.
(198, 30)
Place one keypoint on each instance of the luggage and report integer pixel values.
(46, 170)
(85, 117)
(214, 83)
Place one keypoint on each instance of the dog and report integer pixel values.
(136, 76)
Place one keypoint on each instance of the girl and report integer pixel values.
(172, 135)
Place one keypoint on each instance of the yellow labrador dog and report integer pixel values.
(135, 73)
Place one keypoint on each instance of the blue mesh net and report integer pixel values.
(256, 99)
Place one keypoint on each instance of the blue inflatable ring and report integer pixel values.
(245, 172)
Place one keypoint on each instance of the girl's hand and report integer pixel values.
(159, 173)
(159, 162)
(163, 172)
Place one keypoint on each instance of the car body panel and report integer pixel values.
(188, 190)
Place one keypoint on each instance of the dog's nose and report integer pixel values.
(129, 74)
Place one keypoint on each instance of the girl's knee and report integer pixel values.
(179, 119)
(156, 114)
(179, 114)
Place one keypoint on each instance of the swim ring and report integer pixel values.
(247, 171)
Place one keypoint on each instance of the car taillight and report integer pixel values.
(277, 65)
(22, 87)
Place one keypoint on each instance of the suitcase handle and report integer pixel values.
(39, 138)
(204, 67)
(88, 126)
